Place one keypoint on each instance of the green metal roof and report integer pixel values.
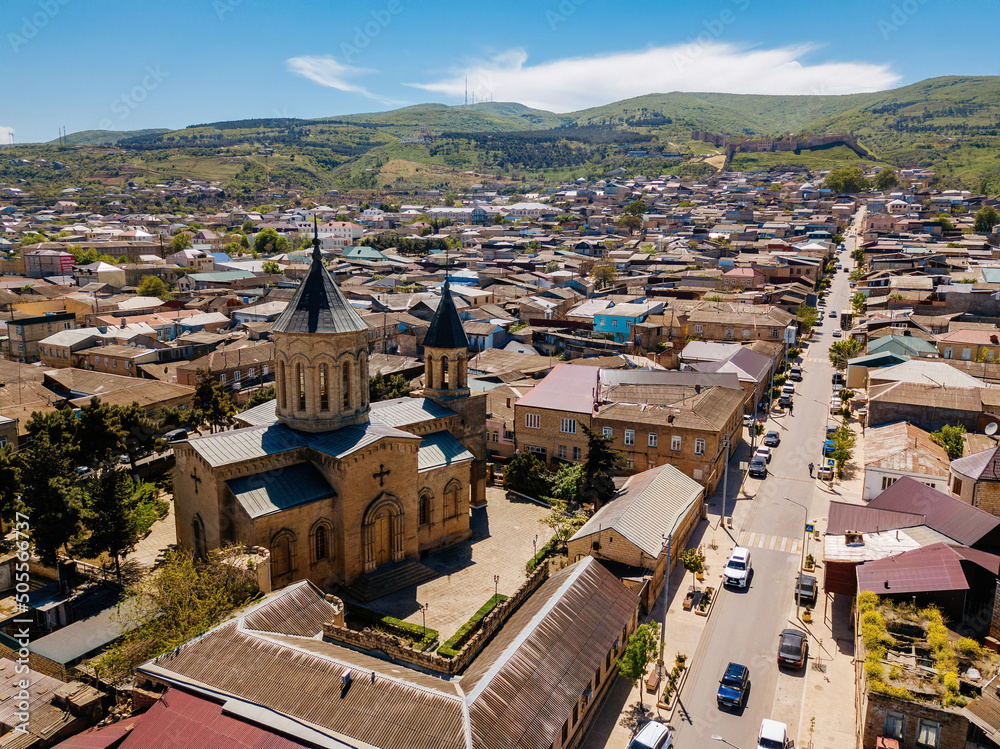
(272, 491)
(440, 449)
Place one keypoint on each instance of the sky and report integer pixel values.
(133, 64)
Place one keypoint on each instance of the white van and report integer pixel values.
(773, 735)
(653, 735)
(788, 389)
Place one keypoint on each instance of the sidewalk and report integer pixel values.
(161, 537)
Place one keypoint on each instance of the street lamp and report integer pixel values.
(423, 614)
(496, 588)
(719, 738)
(802, 551)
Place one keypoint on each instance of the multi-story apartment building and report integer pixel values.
(25, 333)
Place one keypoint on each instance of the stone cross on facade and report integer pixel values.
(381, 473)
(196, 479)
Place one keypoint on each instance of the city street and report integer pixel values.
(745, 624)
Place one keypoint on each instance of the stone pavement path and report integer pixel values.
(502, 542)
(162, 536)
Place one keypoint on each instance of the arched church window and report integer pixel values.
(425, 508)
(320, 541)
(347, 384)
(282, 553)
(451, 500)
(199, 536)
(282, 385)
(445, 374)
(302, 386)
(324, 397)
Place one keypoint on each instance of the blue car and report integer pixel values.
(733, 686)
(828, 447)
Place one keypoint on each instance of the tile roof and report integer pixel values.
(649, 503)
(272, 491)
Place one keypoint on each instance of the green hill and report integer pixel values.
(949, 124)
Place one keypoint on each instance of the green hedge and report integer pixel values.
(543, 552)
(457, 641)
(418, 637)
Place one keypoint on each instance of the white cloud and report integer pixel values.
(5, 132)
(326, 71)
(575, 83)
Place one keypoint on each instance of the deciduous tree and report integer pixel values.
(153, 286)
(986, 218)
(842, 351)
(950, 438)
(848, 179)
(885, 179)
(642, 648)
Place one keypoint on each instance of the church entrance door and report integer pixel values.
(383, 537)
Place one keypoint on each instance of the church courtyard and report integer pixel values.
(501, 544)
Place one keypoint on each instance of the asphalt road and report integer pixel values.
(744, 625)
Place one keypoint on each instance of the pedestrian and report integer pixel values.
(811, 467)
(789, 408)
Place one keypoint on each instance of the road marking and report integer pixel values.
(782, 544)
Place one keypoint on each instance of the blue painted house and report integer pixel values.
(619, 320)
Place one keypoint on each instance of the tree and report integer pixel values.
(153, 286)
(631, 222)
(552, 266)
(526, 474)
(858, 255)
(139, 431)
(567, 484)
(950, 438)
(946, 223)
(269, 242)
(564, 522)
(100, 436)
(848, 179)
(111, 514)
(52, 497)
(858, 302)
(605, 273)
(843, 444)
(842, 351)
(807, 316)
(213, 401)
(382, 388)
(180, 241)
(985, 219)
(248, 226)
(10, 482)
(636, 208)
(885, 179)
(262, 395)
(693, 560)
(643, 646)
(271, 268)
(599, 466)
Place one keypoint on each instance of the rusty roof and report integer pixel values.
(945, 514)
(904, 447)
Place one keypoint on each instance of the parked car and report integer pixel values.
(733, 686)
(84, 472)
(793, 648)
(837, 333)
(763, 452)
(806, 590)
(831, 429)
(772, 438)
(795, 373)
(837, 377)
(836, 404)
(758, 467)
(738, 569)
(176, 434)
(773, 735)
(653, 735)
(825, 472)
(788, 389)
(747, 420)
(785, 399)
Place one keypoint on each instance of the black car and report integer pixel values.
(793, 648)
(733, 686)
(772, 439)
(805, 590)
(758, 467)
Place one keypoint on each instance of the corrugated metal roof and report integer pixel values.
(273, 491)
(42, 688)
(440, 449)
(301, 610)
(565, 388)
(929, 569)
(100, 738)
(982, 466)
(905, 447)
(264, 414)
(405, 411)
(524, 684)
(648, 505)
(867, 519)
(929, 371)
(943, 513)
(350, 439)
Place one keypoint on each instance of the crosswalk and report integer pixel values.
(816, 360)
(767, 541)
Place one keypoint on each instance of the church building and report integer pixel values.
(339, 490)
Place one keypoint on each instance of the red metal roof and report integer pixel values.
(933, 568)
(108, 737)
(867, 519)
(945, 514)
(566, 388)
(181, 720)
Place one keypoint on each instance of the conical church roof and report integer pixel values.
(446, 329)
(318, 305)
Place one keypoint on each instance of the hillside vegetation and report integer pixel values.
(948, 124)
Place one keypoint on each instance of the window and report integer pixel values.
(608, 432)
(966, 354)
(302, 386)
(957, 487)
(775, 333)
(561, 452)
(675, 443)
(729, 332)
(614, 323)
(425, 508)
(324, 394)
(698, 329)
(746, 332)
(567, 426)
(281, 385)
(263, 370)
(222, 378)
(565, 731)
(531, 421)
(535, 449)
(576, 453)
(508, 403)
(893, 728)
(888, 481)
(236, 376)
(699, 447)
(494, 436)
(319, 543)
(250, 372)
(651, 441)
(629, 436)
(928, 733)
(948, 352)
(346, 376)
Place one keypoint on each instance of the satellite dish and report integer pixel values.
(991, 428)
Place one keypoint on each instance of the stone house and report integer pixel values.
(975, 479)
(902, 449)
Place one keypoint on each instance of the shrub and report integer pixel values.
(867, 601)
(455, 643)
(873, 670)
(969, 647)
(873, 617)
(890, 690)
(895, 672)
(950, 681)
(937, 636)
(542, 554)
(417, 636)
